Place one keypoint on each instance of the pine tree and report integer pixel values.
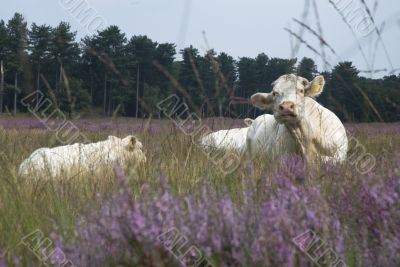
(227, 77)
(73, 97)
(64, 52)
(307, 68)
(39, 47)
(105, 53)
(349, 101)
(189, 65)
(3, 53)
(141, 52)
(16, 53)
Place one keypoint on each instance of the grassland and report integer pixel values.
(362, 209)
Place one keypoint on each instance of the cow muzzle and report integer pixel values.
(287, 108)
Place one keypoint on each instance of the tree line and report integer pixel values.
(111, 74)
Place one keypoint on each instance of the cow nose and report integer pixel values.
(287, 106)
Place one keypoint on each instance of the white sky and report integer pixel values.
(238, 27)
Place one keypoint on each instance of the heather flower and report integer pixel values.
(235, 234)
(350, 213)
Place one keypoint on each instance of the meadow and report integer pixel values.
(262, 214)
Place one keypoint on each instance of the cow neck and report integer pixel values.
(302, 134)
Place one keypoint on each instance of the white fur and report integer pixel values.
(234, 139)
(267, 135)
(320, 135)
(80, 158)
(310, 130)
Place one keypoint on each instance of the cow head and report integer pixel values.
(287, 97)
(134, 147)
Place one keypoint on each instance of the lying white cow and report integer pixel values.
(80, 158)
(234, 139)
(299, 124)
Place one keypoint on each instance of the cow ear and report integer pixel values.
(132, 143)
(133, 140)
(248, 121)
(316, 86)
(262, 100)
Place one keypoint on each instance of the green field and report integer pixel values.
(54, 206)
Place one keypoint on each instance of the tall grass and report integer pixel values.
(273, 199)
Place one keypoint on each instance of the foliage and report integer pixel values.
(307, 68)
(117, 70)
(73, 97)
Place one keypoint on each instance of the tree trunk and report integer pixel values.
(137, 91)
(109, 99)
(1, 86)
(105, 95)
(91, 86)
(61, 78)
(220, 108)
(37, 88)
(15, 93)
(56, 87)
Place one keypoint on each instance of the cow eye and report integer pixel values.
(301, 90)
(274, 93)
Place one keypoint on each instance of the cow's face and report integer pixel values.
(134, 148)
(287, 97)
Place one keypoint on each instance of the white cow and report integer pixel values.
(232, 139)
(298, 124)
(80, 158)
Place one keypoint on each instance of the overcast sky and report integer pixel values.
(238, 27)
